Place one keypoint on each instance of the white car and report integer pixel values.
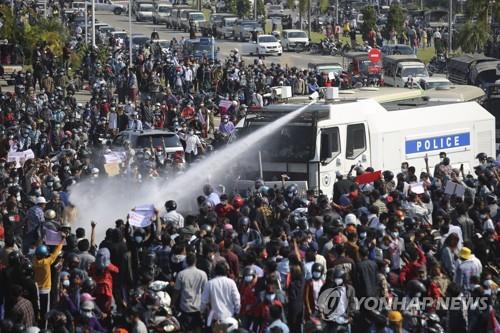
(265, 45)
(434, 82)
(294, 40)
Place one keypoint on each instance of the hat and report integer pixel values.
(350, 219)
(40, 200)
(465, 253)
(86, 297)
(394, 316)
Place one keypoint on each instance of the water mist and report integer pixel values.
(112, 198)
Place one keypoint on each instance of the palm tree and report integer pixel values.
(473, 37)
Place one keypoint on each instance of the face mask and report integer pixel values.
(418, 294)
(211, 257)
(338, 282)
(66, 283)
(483, 217)
(38, 192)
(387, 270)
(316, 275)
(270, 297)
(191, 132)
(362, 235)
(225, 120)
(138, 239)
(395, 234)
(248, 278)
(50, 184)
(87, 314)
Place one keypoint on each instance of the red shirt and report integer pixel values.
(104, 280)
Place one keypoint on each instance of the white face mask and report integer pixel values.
(316, 275)
(248, 278)
(270, 297)
(66, 283)
(338, 282)
(387, 270)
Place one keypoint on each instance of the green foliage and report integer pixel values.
(369, 20)
(395, 19)
(27, 32)
(323, 5)
(243, 8)
(261, 8)
(473, 37)
(476, 9)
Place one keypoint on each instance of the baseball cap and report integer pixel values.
(394, 316)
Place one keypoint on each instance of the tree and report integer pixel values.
(261, 8)
(473, 36)
(395, 19)
(369, 20)
(243, 8)
(323, 5)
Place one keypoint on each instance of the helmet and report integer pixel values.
(388, 175)
(338, 272)
(249, 270)
(27, 269)
(245, 210)
(88, 285)
(42, 251)
(291, 190)
(238, 202)
(481, 156)
(170, 205)
(235, 50)
(416, 287)
(244, 221)
(15, 258)
(317, 267)
(206, 227)
(50, 214)
(264, 190)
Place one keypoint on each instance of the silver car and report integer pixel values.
(144, 12)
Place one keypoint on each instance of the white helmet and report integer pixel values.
(350, 219)
(235, 50)
(165, 299)
(231, 324)
(95, 171)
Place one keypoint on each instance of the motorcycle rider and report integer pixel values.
(226, 127)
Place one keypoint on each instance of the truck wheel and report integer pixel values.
(117, 11)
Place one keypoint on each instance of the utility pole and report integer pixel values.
(309, 18)
(130, 32)
(86, 21)
(255, 10)
(93, 24)
(450, 28)
(337, 12)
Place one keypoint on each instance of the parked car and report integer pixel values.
(144, 12)
(396, 49)
(294, 40)
(243, 29)
(198, 19)
(182, 18)
(77, 8)
(225, 28)
(161, 13)
(110, 6)
(265, 45)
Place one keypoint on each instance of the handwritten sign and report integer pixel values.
(20, 157)
(52, 237)
(141, 216)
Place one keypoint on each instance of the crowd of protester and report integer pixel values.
(255, 261)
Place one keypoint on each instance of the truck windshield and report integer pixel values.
(292, 143)
(414, 72)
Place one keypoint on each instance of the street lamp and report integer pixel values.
(450, 28)
(93, 24)
(130, 32)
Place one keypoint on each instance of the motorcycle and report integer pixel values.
(438, 64)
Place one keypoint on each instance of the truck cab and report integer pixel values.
(401, 70)
(224, 29)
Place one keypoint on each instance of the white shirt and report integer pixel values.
(174, 218)
(192, 143)
(112, 121)
(188, 74)
(222, 294)
(454, 229)
(135, 124)
(213, 199)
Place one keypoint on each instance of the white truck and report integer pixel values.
(400, 70)
(330, 138)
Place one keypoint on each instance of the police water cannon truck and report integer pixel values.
(331, 138)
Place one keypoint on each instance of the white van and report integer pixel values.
(400, 69)
(329, 138)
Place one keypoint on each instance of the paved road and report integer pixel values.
(299, 60)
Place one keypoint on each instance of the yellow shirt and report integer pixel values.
(43, 277)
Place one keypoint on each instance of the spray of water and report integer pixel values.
(112, 198)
